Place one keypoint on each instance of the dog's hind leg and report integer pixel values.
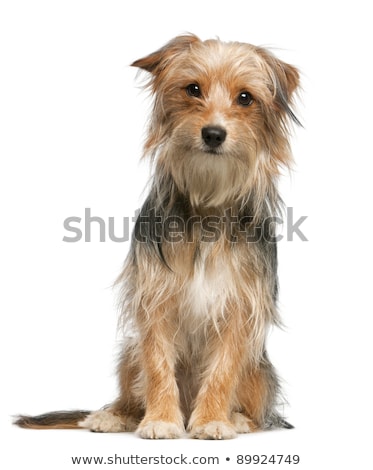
(124, 414)
(257, 394)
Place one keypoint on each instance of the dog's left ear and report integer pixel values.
(291, 75)
(283, 74)
(285, 81)
(159, 59)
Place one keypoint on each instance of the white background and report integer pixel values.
(72, 121)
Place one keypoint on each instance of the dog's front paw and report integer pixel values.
(159, 430)
(106, 421)
(213, 430)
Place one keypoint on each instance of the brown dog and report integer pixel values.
(199, 286)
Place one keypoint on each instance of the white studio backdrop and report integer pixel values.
(72, 123)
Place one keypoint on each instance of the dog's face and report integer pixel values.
(219, 118)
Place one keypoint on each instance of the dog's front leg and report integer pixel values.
(225, 353)
(163, 418)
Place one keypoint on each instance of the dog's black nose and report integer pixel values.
(213, 136)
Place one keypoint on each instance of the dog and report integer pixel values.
(199, 285)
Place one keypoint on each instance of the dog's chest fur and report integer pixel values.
(213, 283)
(207, 290)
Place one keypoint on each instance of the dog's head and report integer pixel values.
(220, 116)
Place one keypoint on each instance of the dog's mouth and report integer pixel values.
(213, 151)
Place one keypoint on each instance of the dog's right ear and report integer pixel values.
(159, 59)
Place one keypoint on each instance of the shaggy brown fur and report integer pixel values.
(199, 286)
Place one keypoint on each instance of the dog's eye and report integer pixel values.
(245, 98)
(193, 90)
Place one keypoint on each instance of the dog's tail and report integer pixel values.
(277, 421)
(285, 424)
(53, 420)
